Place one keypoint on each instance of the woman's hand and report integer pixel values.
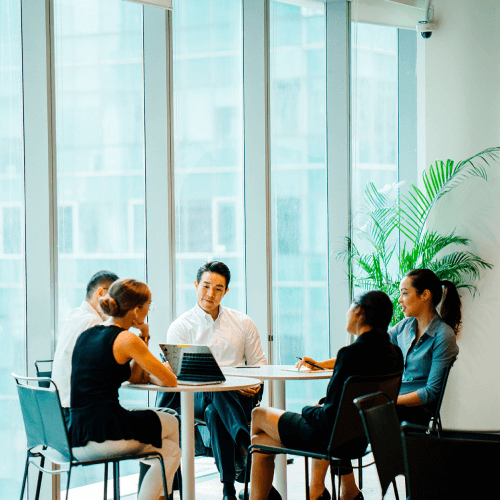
(305, 362)
(144, 329)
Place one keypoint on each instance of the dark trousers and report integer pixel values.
(419, 415)
(227, 415)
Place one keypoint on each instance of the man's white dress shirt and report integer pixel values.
(232, 337)
(78, 320)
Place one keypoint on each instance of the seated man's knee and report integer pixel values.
(211, 415)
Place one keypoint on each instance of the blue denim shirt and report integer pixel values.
(425, 364)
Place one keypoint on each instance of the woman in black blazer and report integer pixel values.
(371, 354)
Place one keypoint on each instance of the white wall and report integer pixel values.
(462, 117)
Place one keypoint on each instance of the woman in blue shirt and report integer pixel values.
(427, 338)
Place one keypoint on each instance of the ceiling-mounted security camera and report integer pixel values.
(425, 28)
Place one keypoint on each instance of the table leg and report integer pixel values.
(187, 443)
(280, 476)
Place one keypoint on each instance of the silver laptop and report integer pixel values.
(193, 364)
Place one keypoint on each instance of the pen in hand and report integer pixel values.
(312, 364)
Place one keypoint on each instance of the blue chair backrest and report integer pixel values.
(43, 417)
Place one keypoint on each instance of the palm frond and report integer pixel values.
(439, 179)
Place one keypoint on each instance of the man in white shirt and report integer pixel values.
(88, 315)
(234, 340)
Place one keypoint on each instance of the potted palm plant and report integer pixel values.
(392, 237)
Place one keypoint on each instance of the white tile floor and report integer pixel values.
(208, 486)
(212, 490)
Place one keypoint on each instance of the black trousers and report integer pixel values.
(419, 415)
(227, 415)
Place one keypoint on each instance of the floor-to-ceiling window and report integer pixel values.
(384, 111)
(374, 97)
(299, 188)
(99, 98)
(12, 248)
(208, 144)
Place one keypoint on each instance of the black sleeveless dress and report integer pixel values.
(95, 413)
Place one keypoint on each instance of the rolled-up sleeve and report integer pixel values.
(254, 354)
(444, 353)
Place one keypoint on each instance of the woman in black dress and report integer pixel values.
(104, 357)
(371, 354)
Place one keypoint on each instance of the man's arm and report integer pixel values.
(254, 354)
(178, 333)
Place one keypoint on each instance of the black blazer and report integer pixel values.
(371, 354)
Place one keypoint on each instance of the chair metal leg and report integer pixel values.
(306, 465)
(67, 485)
(338, 479)
(39, 480)
(105, 481)
(247, 474)
(396, 494)
(332, 474)
(23, 487)
(116, 480)
(165, 489)
(360, 472)
(179, 480)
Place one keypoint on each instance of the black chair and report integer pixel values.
(347, 429)
(43, 369)
(440, 465)
(47, 437)
(382, 429)
(435, 421)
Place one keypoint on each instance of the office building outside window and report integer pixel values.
(12, 249)
(100, 154)
(208, 136)
(298, 190)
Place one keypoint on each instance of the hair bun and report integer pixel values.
(109, 306)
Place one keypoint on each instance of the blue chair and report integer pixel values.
(47, 437)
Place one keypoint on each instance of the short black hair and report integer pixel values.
(214, 266)
(99, 279)
(377, 309)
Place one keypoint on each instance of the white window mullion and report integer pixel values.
(338, 50)
(40, 187)
(160, 241)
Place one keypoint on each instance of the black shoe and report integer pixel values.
(359, 496)
(325, 495)
(273, 494)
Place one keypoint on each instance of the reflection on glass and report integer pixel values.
(375, 115)
(208, 117)
(12, 263)
(299, 207)
(100, 150)
(375, 108)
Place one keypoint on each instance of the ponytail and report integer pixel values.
(450, 309)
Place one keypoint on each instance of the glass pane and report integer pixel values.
(100, 154)
(375, 103)
(208, 116)
(12, 244)
(375, 108)
(298, 189)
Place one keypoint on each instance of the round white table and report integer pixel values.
(187, 419)
(278, 375)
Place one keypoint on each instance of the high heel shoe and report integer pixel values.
(325, 495)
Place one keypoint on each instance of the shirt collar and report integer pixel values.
(204, 315)
(88, 308)
(369, 335)
(431, 328)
